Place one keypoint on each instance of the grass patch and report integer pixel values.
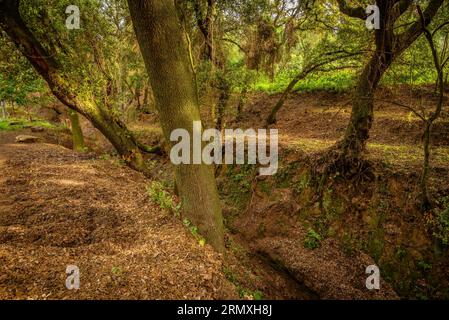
(313, 240)
(18, 124)
(161, 197)
(402, 154)
(310, 145)
(341, 81)
(237, 186)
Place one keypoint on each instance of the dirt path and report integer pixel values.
(59, 208)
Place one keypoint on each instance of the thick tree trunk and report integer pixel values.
(44, 63)
(77, 132)
(166, 57)
(357, 132)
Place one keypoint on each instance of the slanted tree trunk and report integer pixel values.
(446, 83)
(311, 67)
(47, 66)
(166, 58)
(77, 132)
(425, 200)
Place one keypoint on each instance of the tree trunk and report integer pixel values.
(166, 58)
(77, 132)
(218, 65)
(388, 47)
(223, 98)
(446, 83)
(357, 132)
(272, 117)
(46, 65)
(425, 201)
(242, 101)
(3, 107)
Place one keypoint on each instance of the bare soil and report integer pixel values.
(59, 208)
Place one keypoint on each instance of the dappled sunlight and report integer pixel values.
(66, 182)
(146, 127)
(304, 144)
(408, 154)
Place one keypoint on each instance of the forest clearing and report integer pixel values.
(95, 104)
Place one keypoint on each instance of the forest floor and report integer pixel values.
(59, 208)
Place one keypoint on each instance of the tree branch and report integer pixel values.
(357, 12)
(409, 36)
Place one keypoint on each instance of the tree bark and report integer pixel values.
(223, 99)
(357, 132)
(77, 132)
(3, 107)
(166, 58)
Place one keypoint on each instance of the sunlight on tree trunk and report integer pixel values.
(167, 60)
(77, 132)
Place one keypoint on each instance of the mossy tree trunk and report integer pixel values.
(166, 57)
(77, 132)
(3, 107)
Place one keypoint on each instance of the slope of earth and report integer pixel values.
(313, 227)
(59, 208)
(313, 122)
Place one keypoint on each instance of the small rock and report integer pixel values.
(37, 129)
(26, 139)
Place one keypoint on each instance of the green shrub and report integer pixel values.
(313, 240)
(162, 198)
